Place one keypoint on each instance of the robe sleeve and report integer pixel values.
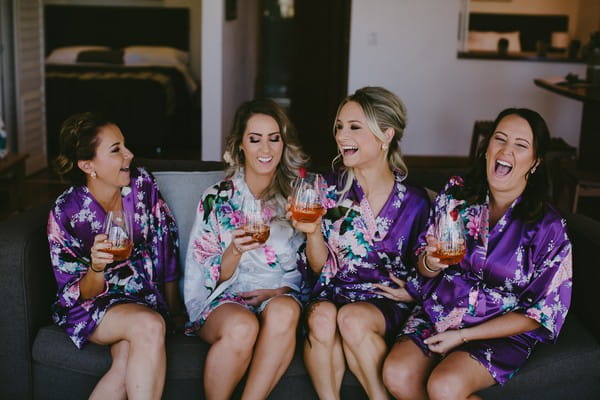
(442, 201)
(68, 262)
(203, 259)
(164, 234)
(547, 297)
(329, 269)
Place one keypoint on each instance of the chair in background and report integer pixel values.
(577, 183)
(480, 130)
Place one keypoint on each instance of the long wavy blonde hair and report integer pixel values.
(383, 110)
(292, 158)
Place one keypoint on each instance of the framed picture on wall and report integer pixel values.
(230, 10)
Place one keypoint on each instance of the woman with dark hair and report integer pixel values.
(360, 253)
(124, 303)
(242, 296)
(480, 319)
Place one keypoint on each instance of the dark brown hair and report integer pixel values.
(78, 140)
(533, 199)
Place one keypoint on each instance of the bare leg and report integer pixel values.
(274, 348)
(231, 330)
(323, 353)
(112, 384)
(144, 330)
(458, 376)
(362, 328)
(406, 369)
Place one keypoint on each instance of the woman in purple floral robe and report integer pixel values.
(358, 258)
(118, 303)
(479, 320)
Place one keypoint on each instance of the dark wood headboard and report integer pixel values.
(67, 25)
(532, 27)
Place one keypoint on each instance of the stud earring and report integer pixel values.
(384, 147)
(533, 170)
(93, 174)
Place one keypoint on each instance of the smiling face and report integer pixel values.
(262, 145)
(112, 159)
(359, 146)
(510, 156)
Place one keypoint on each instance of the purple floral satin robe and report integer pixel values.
(76, 219)
(514, 267)
(363, 248)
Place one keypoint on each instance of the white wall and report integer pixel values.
(229, 65)
(240, 52)
(213, 16)
(409, 47)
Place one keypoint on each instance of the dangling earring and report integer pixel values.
(384, 146)
(93, 174)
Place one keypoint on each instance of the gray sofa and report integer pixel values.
(37, 360)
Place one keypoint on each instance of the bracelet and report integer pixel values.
(96, 270)
(465, 341)
(433, 271)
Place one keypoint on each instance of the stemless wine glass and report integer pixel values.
(306, 201)
(117, 226)
(256, 224)
(450, 234)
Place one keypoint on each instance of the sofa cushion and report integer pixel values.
(53, 348)
(182, 192)
(575, 359)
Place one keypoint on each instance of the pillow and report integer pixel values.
(68, 54)
(155, 55)
(101, 56)
(182, 191)
(488, 41)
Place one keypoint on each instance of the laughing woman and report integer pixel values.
(242, 296)
(361, 252)
(117, 303)
(481, 318)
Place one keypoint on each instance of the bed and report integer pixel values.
(129, 63)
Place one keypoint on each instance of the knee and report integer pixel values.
(444, 386)
(322, 323)
(149, 329)
(353, 323)
(240, 332)
(120, 354)
(401, 380)
(281, 315)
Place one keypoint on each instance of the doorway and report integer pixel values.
(303, 65)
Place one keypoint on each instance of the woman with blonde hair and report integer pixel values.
(242, 296)
(360, 253)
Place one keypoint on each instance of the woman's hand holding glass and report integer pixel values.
(255, 228)
(99, 256)
(304, 207)
(447, 246)
(117, 228)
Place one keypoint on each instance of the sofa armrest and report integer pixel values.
(28, 288)
(584, 233)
